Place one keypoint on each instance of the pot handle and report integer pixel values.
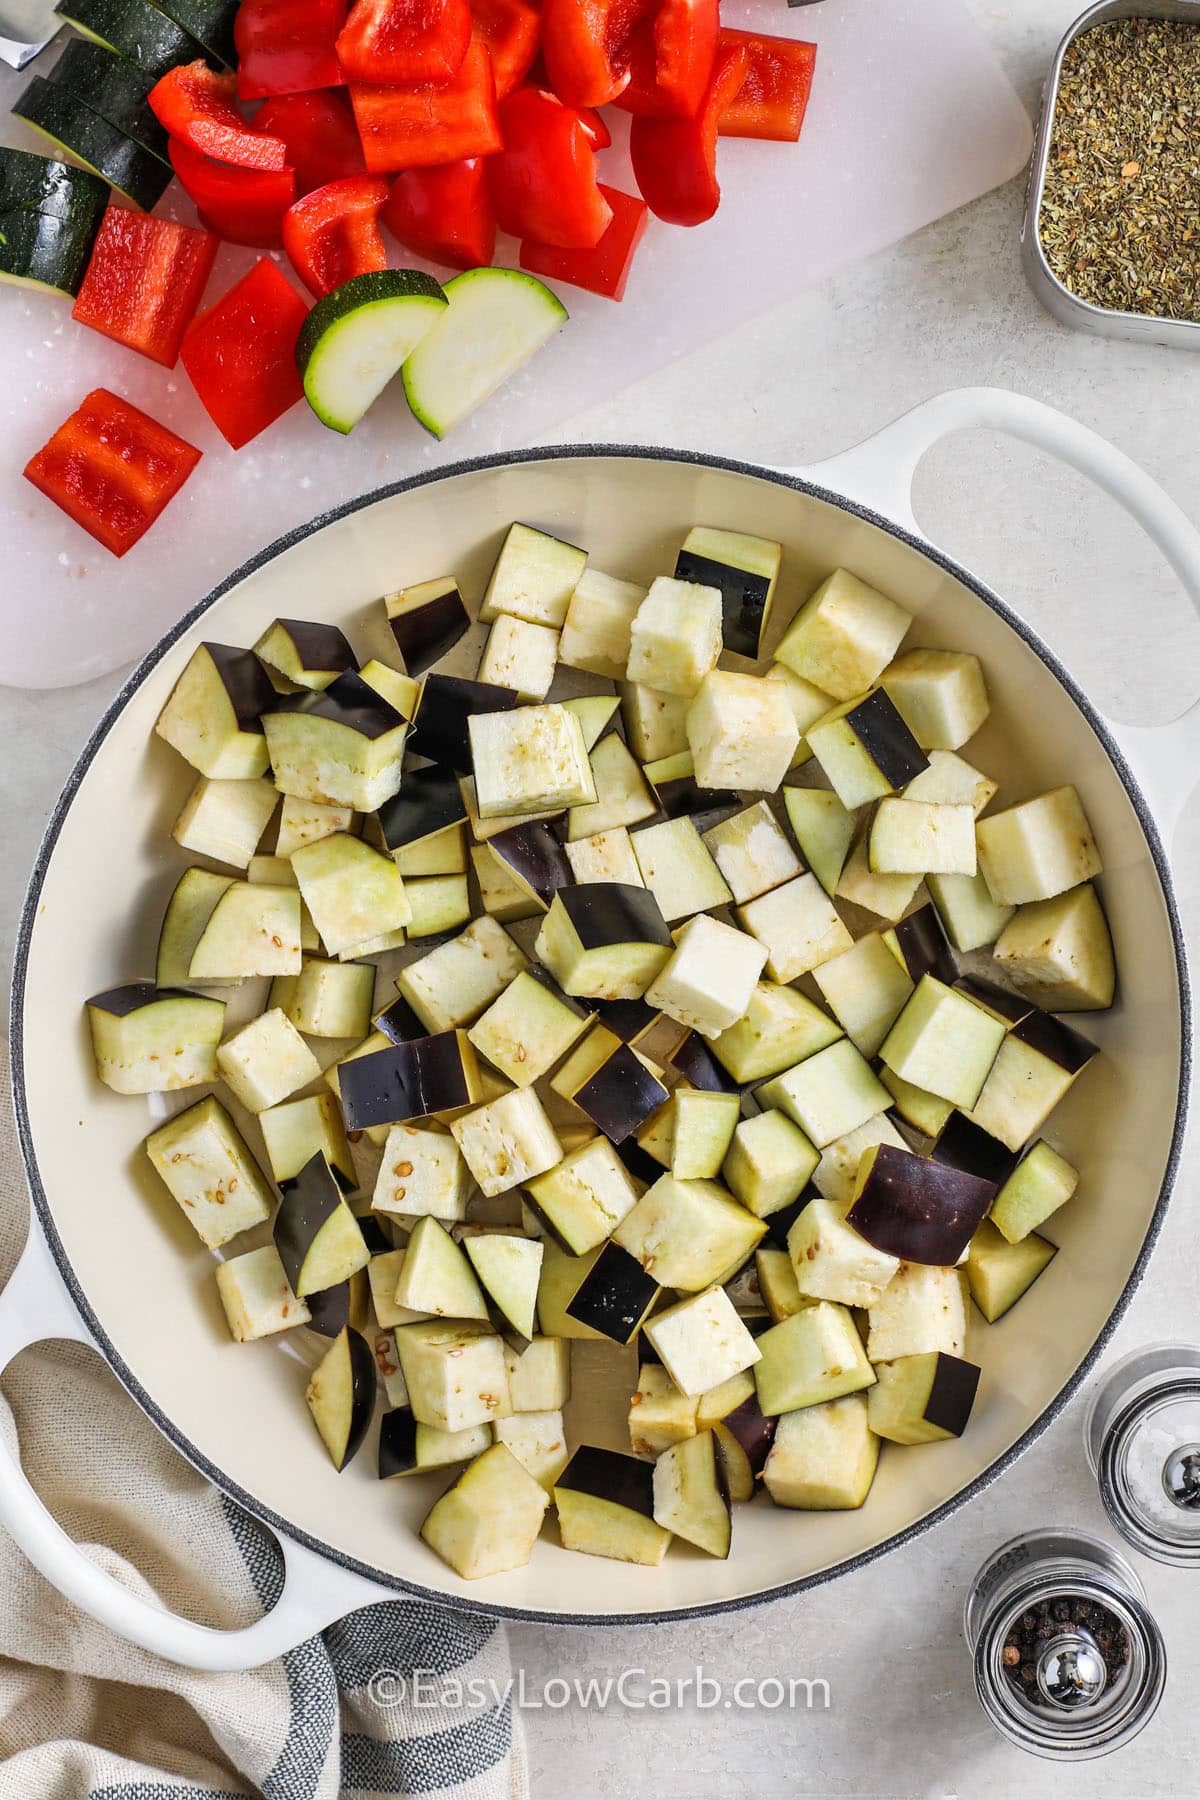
(36, 1305)
(879, 474)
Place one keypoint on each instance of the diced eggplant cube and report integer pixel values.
(454, 984)
(346, 1303)
(919, 945)
(539, 1377)
(257, 1296)
(439, 903)
(710, 978)
(1037, 1064)
(1060, 952)
(343, 746)
(721, 1400)
(341, 1395)
(866, 749)
(188, 912)
(678, 870)
(539, 1443)
(698, 1066)
(596, 714)
(252, 930)
(427, 620)
(622, 794)
(306, 821)
(595, 632)
(447, 705)
(608, 856)
(742, 732)
(922, 1308)
(952, 781)
(604, 941)
(521, 656)
(1041, 1183)
(317, 1236)
(615, 1294)
(925, 1112)
(688, 1234)
(781, 1027)
(965, 1145)
(912, 837)
(745, 570)
(329, 999)
(387, 1084)
(225, 820)
(844, 636)
(660, 1413)
(406, 1447)
(998, 1273)
(702, 1341)
(305, 653)
(835, 1175)
(296, 1131)
(209, 1170)
(808, 704)
(454, 1372)
(421, 1173)
(865, 988)
(490, 1519)
(526, 1030)
(533, 577)
(690, 1495)
(383, 1275)
(1038, 849)
(752, 852)
(401, 692)
(679, 795)
(213, 716)
(828, 1094)
(915, 1209)
(534, 857)
(675, 637)
(352, 891)
(888, 895)
(266, 1061)
(605, 1505)
(586, 1196)
(436, 1276)
(799, 925)
(833, 1261)
(944, 1042)
(777, 1283)
(149, 1040)
(703, 1131)
(769, 1162)
(940, 694)
(813, 1356)
(387, 1363)
(429, 800)
(966, 908)
(655, 723)
(529, 760)
(504, 899)
(921, 1399)
(507, 1267)
(823, 1458)
(508, 1141)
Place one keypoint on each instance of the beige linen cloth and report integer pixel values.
(86, 1716)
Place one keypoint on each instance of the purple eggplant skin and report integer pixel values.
(639, 1163)
(429, 800)
(614, 1294)
(743, 599)
(447, 702)
(621, 1095)
(309, 1200)
(363, 1389)
(425, 633)
(609, 1475)
(753, 1430)
(627, 1019)
(965, 1145)
(131, 996)
(885, 737)
(320, 649)
(376, 1089)
(332, 1308)
(613, 912)
(398, 1022)
(440, 1077)
(925, 947)
(1057, 1042)
(397, 1442)
(246, 682)
(348, 701)
(986, 993)
(919, 1210)
(696, 1062)
(680, 798)
(952, 1393)
(535, 857)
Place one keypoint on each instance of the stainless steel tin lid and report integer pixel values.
(1142, 1436)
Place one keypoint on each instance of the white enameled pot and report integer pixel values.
(111, 1263)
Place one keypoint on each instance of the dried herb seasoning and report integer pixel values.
(1120, 213)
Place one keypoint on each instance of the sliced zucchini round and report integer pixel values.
(496, 320)
(358, 337)
(67, 121)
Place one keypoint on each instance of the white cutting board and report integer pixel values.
(910, 117)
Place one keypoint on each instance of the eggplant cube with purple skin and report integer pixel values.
(304, 653)
(689, 1234)
(844, 636)
(508, 1141)
(675, 637)
(257, 1295)
(920, 1399)
(614, 1295)
(604, 941)
(343, 746)
(915, 1209)
(490, 1519)
(710, 978)
(742, 732)
(1038, 1062)
(605, 1505)
(529, 760)
(833, 1261)
(427, 620)
(341, 1395)
(317, 1236)
(213, 716)
(865, 749)
(702, 1341)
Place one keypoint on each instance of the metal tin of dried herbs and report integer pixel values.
(1112, 221)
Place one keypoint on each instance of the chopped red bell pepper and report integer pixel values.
(320, 134)
(287, 46)
(543, 183)
(333, 234)
(144, 282)
(112, 469)
(675, 160)
(585, 45)
(414, 127)
(199, 107)
(444, 214)
(404, 41)
(512, 30)
(599, 136)
(246, 206)
(671, 59)
(773, 99)
(241, 354)
(604, 269)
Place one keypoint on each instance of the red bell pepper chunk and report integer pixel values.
(287, 46)
(599, 136)
(144, 282)
(246, 206)
(444, 214)
(512, 31)
(414, 127)
(198, 106)
(241, 354)
(585, 45)
(675, 160)
(404, 41)
(112, 469)
(333, 234)
(773, 99)
(543, 183)
(671, 60)
(604, 269)
(320, 135)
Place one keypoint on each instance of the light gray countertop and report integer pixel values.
(947, 308)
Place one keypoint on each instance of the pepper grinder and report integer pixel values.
(1068, 1662)
(1142, 1437)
